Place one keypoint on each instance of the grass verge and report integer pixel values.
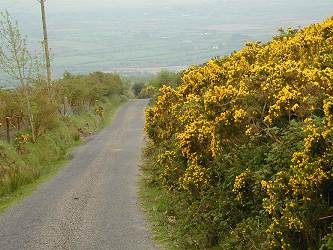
(157, 203)
(23, 172)
(23, 191)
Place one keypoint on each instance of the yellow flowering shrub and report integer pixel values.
(251, 97)
(243, 185)
(21, 140)
(195, 176)
(290, 194)
(99, 110)
(160, 118)
(171, 172)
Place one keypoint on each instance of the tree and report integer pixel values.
(137, 88)
(16, 61)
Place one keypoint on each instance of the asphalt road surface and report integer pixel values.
(92, 203)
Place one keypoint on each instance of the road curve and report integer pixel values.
(92, 203)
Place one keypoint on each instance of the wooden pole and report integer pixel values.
(7, 129)
(46, 44)
(65, 106)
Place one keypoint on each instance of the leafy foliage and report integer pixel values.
(153, 84)
(78, 108)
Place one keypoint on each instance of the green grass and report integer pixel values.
(26, 190)
(158, 204)
(23, 173)
(155, 203)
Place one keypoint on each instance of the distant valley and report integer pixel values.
(145, 38)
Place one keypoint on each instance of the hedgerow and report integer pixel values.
(77, 108)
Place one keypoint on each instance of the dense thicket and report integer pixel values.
(243, 147)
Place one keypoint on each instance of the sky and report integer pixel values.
(81, 4)
(147, 35)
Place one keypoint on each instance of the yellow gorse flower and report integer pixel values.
(235, 97)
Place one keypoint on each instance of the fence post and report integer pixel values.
(7, 129)
(65, 105)
(18, 123)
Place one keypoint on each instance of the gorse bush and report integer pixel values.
(246, 140)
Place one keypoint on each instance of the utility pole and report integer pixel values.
(46, 43)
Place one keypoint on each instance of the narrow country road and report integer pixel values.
(92, 203)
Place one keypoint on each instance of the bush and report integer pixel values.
(246, 141)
